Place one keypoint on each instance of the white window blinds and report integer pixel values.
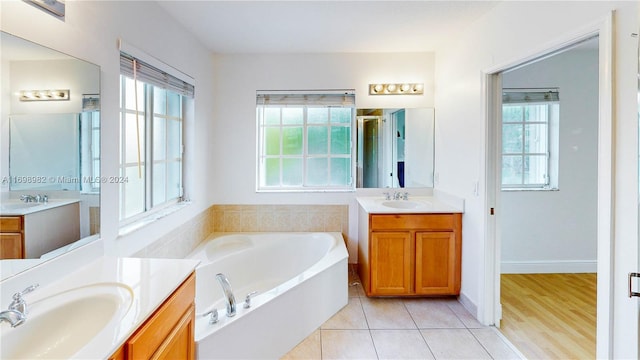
(521, 96)
(152, 75)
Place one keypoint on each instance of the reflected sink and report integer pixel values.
(58, 326)
(17, 206)
(404, 204)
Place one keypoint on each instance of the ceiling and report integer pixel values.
(327, 26)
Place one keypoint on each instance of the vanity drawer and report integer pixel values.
(412, 221)
(10, 223)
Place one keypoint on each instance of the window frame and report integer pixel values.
(551, 155)
(304, 156)
(147, 116)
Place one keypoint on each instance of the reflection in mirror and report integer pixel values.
(395, 148)
(49, 154)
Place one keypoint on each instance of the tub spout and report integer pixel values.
(228, 294)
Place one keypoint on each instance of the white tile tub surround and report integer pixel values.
(301, 279)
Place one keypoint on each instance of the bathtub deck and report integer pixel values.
(397, 328)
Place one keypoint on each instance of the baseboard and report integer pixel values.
(468, 304)
(546, 267)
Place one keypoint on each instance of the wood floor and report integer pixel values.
(550, 316)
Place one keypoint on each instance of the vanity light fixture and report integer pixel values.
(44, 95)
(396, 89)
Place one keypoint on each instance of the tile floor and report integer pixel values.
(402, 328)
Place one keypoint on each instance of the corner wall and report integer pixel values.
(90, 32)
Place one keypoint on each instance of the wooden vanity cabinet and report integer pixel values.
(11, 237)
(412, 255)
(169, 332)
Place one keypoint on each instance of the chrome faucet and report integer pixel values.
(27, 198)
(13, 317)
(17, 312)
(228, 294)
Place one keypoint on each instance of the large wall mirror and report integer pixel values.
(49, 154)
(395, 148)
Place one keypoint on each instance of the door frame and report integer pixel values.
(492, 312)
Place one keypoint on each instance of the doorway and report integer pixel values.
(545, 125)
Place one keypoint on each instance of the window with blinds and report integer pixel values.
(152, 117)
(305, 140)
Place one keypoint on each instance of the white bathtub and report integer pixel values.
(300, 279)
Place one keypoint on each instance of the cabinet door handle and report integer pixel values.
(631, 292)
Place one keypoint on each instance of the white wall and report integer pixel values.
(90, 32)
(233, 154)
(513, 31)
(555, 231)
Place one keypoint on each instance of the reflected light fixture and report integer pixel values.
(52, 7)
(44, 95)
(396, 89)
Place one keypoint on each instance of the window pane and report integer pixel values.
(340, 140)
(318, 139)
(159, 101)
(130, 94)
(272, 141)
(318, 115)
(174, 135)
(511, 138)
(272, 172)
(133, 138)
(317, 171)
(272, 116)
(292, 116)
(292, 172)
(512, 113)
(134, 191)
(174, 182)
(512, 170)
(340, 171)
(535, 169)
(175, 104)
(535, 138)
(159, 183)
(159, 138)
(292, 141)
(536, 113)
(341, 115)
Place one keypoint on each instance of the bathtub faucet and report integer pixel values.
(228, 294)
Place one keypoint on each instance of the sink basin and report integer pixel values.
(404, 204)
(58, 326)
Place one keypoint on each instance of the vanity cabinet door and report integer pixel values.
(179, 344)
(437, 263)
(391, 263)
(11, 246)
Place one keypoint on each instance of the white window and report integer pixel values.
(305, 140)
(529, 139)
(152, 108)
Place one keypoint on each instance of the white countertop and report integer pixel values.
(17, 207)
(415, 205)
(151, 282)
